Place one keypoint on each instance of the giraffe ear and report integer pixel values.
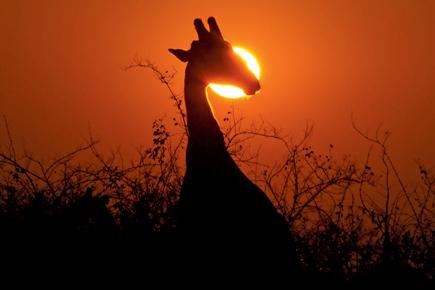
(182, 55)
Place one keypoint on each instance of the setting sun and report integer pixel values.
(233, 92)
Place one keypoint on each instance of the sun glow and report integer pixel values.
(233, 92)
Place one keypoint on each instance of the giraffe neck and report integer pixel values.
(203, 127)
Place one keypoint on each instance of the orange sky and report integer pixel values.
(322, 62)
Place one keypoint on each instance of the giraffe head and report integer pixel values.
(211, 59)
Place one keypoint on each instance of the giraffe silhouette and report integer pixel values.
(225, 221)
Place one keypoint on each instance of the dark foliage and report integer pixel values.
(354, 225)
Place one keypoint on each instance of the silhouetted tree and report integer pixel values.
(354, 224)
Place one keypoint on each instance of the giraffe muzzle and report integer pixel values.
(252, 90)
